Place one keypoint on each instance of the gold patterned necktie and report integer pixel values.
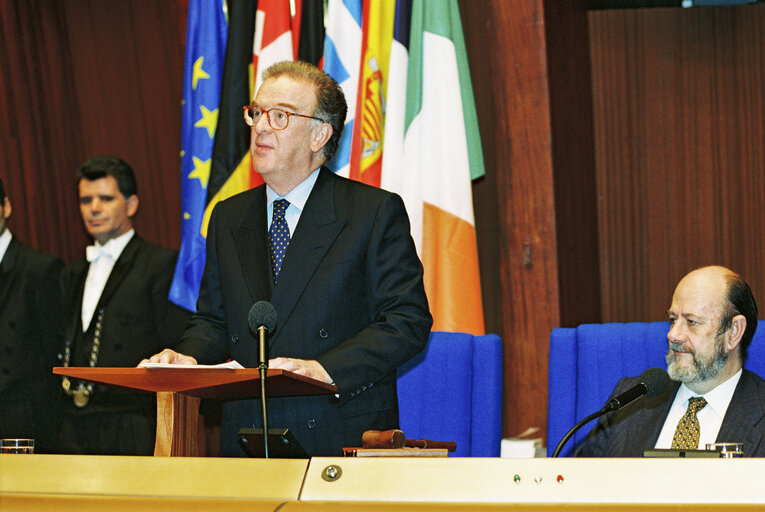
(278, 236)
(687, 432)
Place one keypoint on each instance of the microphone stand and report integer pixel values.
(263, 367)
(612, 405)
(653, 382)
(576, 427)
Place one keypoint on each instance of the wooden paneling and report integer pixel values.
(537, 139)
(680, 133)
(575, 188)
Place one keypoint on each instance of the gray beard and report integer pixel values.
(702, 369)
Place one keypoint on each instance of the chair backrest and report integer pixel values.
(452, 391)
(586, 362)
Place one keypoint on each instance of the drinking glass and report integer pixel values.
(727, 450)
(17, 445)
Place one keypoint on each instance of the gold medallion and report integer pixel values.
(80, 398)
(66, 384)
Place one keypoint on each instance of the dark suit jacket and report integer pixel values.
(30, 336)
(139, 321)
(636, 427)
(350, 295)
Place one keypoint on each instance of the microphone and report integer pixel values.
(262, 319)
(262, 313)
(653, 382)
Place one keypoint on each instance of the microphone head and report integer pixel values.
(262, 313)
(656, 381)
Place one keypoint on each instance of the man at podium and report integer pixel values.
(333, 256)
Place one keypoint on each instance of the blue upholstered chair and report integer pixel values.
(586, 362)
(452, 391)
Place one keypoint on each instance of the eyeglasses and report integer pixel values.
(278, 119)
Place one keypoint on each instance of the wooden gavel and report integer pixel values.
(396, 439)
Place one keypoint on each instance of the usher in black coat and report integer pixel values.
(138, 321)
(30, 336)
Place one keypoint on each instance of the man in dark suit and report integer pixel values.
(712, 398)
(345, 280)
(118, 311)
(30, 334)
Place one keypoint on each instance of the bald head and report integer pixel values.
(717, 294)
(706, 286)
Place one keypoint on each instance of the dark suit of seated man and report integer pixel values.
(713, 317)
(343, 274)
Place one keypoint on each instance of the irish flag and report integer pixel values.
(442, 154)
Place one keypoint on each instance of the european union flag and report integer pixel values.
(206, 33)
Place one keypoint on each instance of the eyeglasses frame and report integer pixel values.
(268, 116)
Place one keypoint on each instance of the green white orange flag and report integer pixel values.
(442, 154)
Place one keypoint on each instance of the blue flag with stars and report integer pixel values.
(206, 32)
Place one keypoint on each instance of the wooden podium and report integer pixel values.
(179, 391)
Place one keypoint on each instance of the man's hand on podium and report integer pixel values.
(309, 368)
(169, 356)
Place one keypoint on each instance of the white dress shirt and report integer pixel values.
(710, 417)
(5, 241)
(102, 259)
(297, 198)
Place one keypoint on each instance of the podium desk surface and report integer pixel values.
(543, 480)
(201, 382)
(162, 477)
(85, 483)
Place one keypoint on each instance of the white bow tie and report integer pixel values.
(93, 252)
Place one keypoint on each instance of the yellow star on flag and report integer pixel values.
(198, 73)
(201, 171)
(209, 120)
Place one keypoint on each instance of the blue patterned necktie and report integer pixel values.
(278, 237)
(688, 429)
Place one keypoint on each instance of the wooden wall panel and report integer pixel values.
(575, 185)
(680, 128)
(537, 138)
(513, 111)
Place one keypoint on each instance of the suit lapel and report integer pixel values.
(317, 230)
(6, 271)
(122, 267)
(80, 274)
(251, 245)
(744, 413)
(655, 411)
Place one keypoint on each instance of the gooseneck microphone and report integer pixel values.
(653, 382)
(262, 320)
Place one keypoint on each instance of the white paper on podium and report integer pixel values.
(230, 365)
